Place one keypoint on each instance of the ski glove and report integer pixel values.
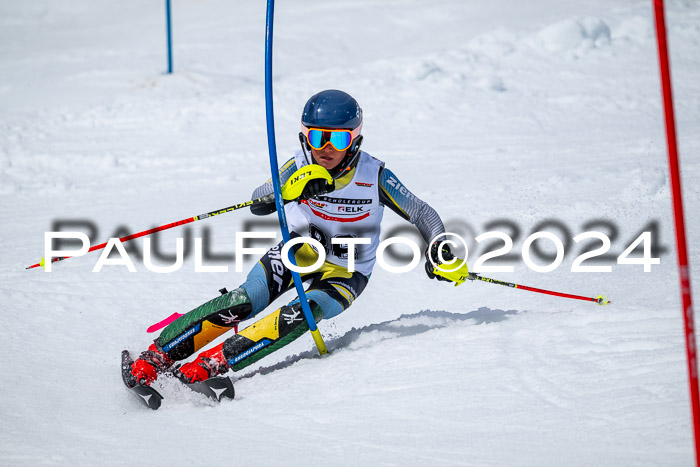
(432, 252)
(315, 187)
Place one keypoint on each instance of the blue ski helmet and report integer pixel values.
(333, 109)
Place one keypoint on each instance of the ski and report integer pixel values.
(217, 388)
(146, 394)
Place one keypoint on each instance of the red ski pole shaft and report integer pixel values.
(599, 300)
(165, 227)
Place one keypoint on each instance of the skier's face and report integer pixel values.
(328, 157)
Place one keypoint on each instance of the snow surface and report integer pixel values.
(488, 110)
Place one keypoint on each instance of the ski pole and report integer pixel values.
(461, 274)
(600, 299)
(290, 191)
(161, 228)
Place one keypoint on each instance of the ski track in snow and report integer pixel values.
(487, 110)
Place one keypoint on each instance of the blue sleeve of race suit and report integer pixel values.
(394, 195)
(266, 188)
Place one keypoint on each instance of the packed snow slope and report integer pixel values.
(502, 115)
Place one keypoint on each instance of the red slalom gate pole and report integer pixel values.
(681, 246)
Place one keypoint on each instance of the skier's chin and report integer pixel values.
(328, 165)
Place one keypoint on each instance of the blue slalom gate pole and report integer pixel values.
(274, 167)
(169, 35)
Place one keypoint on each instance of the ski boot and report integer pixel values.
(207, 365)
(150, 363)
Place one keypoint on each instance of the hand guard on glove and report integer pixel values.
(316, 187)
(432, 252)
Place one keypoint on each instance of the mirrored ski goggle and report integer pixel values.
(319, 138)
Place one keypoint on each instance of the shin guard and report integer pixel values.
(267, 335)
(192, 331)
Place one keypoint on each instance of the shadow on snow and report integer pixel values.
(403, 326)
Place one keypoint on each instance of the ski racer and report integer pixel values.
(331, 125)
